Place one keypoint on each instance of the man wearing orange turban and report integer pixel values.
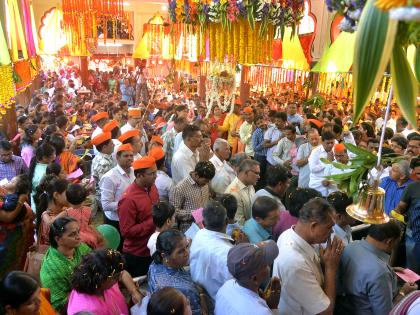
(135, 214)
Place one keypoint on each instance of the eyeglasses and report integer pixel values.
(256, 173)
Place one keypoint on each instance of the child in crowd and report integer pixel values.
(19, 185)
(340, 201)
(55, 169)
(163, 215)
(76, 195)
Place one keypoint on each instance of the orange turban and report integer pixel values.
(157, 153)
(339, 147)
(125, 147)
(134, 112)
(129, 134)
(99, 116)
(157, 139)
(109, 126)
(144, 162)
(101, 138)
(316, 122)
(248, 110)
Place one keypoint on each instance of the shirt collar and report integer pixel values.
(240, 184)
(217, 160)
(219, 235)
(376, 251)
(342, 233)
(191, 181)
(265, 233)
(121, 171)
(13, 159)
(307, 248)
(186, 149)
(271, 192)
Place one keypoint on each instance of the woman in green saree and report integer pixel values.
(63, 255)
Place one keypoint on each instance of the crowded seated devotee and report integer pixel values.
(369, 284)
(209, 250)
(250, 268)
(191, 193)
(308, 279)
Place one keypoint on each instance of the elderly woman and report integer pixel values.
(171, 256)
(63, 255)
(20, 294)
(95, 285)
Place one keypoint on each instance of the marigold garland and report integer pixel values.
(7, 91)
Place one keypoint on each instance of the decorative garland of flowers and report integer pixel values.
(220, 81)
(278, 13)
(7, 91)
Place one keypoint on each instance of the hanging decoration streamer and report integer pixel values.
(80, 18)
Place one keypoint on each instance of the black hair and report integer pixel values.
(22, 119)
(45, 193)
(214, 216)
(400, 141)
(340, 201)
(338, 121)
(382, 232)
(402, 121)
(357, 135)
(61, 121)
(327, 135)
(413, 136)
(370, 131)
(263, 206)
(54, 169)
(276, 174)
(115, 132)
(290, 128)
(29, 132)
(166, 242)
(179, 120)
(389, 133)
(337, 129)
(57, 229)
(96, 268)
(22, 184)
(161, 212)
(101, 146)
(166, 301)
(5, 145)
(373, 140)
(76, 194)
(189, 131)
(205, 169)
(16, 288)
(160, 163)
(58, 142)
(230, 203)
(282, 116)
(44, 150)
(316, 209)
(415, 162)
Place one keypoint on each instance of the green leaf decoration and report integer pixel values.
(361, 153)
(404, 83)
(374, 42)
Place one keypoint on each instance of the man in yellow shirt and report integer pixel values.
(230, 125)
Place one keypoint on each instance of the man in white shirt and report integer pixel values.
(250, 265)
(113, 184)
(302, 157)
(227, 174)
(133, 137)
(134, 119)
(221, 149)
(273, 135)
(308, 279)
(340, 156)
(209, 250)
(316, 166)
(285, 152)
(100, 119)
(163, 182)
(242, 188)
(187, 156)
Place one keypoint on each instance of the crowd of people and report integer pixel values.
(218, 212)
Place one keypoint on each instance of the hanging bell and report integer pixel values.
(370, 206)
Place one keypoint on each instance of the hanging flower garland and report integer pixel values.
(220, 81)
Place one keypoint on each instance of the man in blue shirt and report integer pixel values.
(265, 214)
(369, 283)
(395, 183)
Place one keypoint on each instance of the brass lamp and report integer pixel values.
(370, 205)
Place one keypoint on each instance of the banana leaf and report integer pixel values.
(361, 153)
(417, 63)
(374, 42)
(338, 165)
(404, 83)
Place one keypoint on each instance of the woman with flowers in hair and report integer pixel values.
(95, 285)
